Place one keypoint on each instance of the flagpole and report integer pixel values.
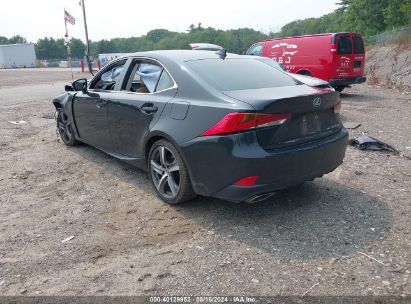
(87, 41)
(68, 50)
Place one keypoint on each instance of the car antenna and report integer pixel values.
(222, 53)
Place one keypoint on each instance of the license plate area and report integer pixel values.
(310, 124)
(357, 63)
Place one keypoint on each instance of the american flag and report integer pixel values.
(69, 18)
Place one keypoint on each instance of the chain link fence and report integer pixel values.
(402, 35)
(63, 63)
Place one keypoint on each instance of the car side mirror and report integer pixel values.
(80, 85)
(68, 88)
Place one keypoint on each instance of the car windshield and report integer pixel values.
(240, 74)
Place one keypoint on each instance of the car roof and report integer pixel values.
(309, 35)
(180, 56)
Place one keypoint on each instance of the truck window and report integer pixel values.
(358, 45)
(255, 50)
(344, 45)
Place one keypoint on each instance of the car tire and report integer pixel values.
(64, 128)
(339, 88)
(169, 174)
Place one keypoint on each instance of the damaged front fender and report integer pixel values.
(64, 102)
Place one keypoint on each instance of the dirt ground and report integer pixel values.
(347, 233)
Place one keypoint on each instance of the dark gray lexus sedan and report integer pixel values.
(206, 123)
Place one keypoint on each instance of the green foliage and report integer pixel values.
(237, 41)
(406, 10)
(50, 48)
(367, 17)
(13, 40)
(17, 39)
(4, 40)
(156, 35)
(77, 48)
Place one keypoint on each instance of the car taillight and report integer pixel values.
(235, 122)
(337, 107)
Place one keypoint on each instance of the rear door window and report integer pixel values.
(344, 45)
(358, 45)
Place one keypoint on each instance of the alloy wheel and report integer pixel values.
(64, 128)
(165, 172)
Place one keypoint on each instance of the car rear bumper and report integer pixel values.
(343, 82)
(216, 163)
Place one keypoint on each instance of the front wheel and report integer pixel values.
(64, 128)
(339, 88)
(169, 174)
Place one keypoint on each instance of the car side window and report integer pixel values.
(147, 77)
(165, 82)
(110, 76)
(255, 50)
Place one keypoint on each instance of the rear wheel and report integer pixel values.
(65, 129)
(169, 174)
(339, 88)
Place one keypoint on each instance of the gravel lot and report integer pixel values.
(347, 233)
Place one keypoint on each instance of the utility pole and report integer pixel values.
(90, 68)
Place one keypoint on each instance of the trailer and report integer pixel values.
(17, 56)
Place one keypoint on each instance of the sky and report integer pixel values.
(125, 18)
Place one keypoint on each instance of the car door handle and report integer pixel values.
(101, 104)
(148, 108)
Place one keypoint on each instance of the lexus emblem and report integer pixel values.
(317, 102)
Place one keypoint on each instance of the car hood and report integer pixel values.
(308, 80)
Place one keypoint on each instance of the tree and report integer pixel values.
(17, 39)
(158, 34)
(50, 48)
(106, 46)
(406, 9)
(366, 16)
(394, 13)
(192, 28)
(77, 48)
(13, 40)
(343, 5)
(4, 40)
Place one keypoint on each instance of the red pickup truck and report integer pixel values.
(338, 58)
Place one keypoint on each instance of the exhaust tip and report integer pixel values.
(259, 198)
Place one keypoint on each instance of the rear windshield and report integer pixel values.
(358, 45)
(344, 45)
(240, 74)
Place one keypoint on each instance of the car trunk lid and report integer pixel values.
(311, 113)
